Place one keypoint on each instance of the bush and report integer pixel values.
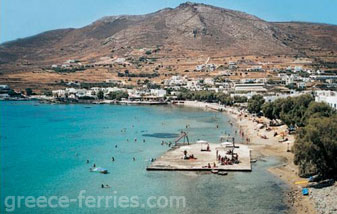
(255, 104)
(315, 147)
(29, 91)
(118, 95)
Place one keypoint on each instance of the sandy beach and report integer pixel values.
(253, 135)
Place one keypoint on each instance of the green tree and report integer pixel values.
(240, 99)
(316, 109)
(29, 91)
(100, 95)
(315, 147)
(268, 110)
(255, 104)
(118, 95)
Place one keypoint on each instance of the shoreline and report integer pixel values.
(286, 170)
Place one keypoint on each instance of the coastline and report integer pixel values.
(271, 147)
(286, 171)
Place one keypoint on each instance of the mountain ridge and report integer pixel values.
(187, 29)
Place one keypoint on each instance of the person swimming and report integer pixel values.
(113, 159)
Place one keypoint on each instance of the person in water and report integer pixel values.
(102, 186)
(134, 158)
(94, 165)
(113, 159)
(87, 161)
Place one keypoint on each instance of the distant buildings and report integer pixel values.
(4, 90)
(250, 87)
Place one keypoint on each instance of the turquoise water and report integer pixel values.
(44, 149)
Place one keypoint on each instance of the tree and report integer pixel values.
(29, 91)
(316, 109)
(315, 147)
(100, 95)
(255, 103)
(240, 99)
(268, 110)
(118, 95)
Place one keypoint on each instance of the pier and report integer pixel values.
(173, 160)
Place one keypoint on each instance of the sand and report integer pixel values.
(173, 159)
(271, 146)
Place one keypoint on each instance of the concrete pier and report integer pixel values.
(173, 160)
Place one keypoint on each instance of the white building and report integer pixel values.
(329, 97)
(158, 92)
(256, 87)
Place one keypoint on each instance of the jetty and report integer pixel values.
(202, 159)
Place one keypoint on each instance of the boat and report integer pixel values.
(222, 173)
(100, 170)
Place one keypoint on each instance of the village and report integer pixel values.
(240, 78)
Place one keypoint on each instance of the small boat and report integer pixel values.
(253, 160)
(222, 173)
(100, 170)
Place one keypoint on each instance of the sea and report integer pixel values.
(45, 149)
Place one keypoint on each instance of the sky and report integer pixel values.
(22, 18)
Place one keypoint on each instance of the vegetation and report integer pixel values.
(68, 70)
(117, 95)
(290, 110)
(240, 99)
(147, 75)
(315, 147)
(29, 91)
(206, 96)
(255, 104)
(100, 95)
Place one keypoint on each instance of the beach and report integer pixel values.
(287, 171)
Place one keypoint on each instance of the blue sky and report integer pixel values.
(22, 18)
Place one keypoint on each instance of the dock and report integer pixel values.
(173, 159)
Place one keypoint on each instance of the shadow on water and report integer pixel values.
(162, 135)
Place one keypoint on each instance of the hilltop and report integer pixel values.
(188, 28)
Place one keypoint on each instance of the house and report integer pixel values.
(329, 97)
